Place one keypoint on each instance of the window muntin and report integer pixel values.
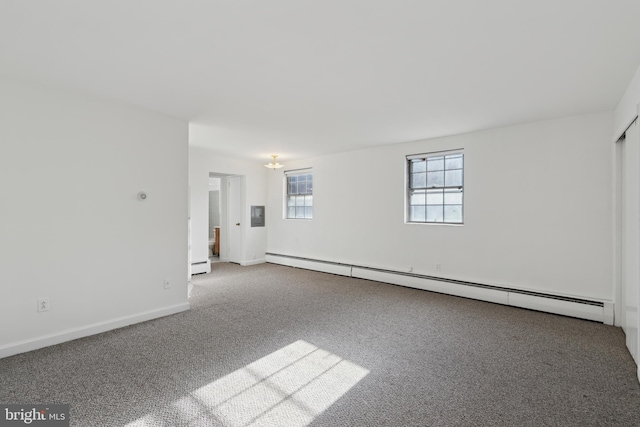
(299, 195)
(435, 188)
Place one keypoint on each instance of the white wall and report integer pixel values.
(86, 242)
(214, 184)
(538, 210)
(627, 108)
(201, 163)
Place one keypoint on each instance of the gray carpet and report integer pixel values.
(272, 345)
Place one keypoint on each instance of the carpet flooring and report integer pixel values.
(273, 345)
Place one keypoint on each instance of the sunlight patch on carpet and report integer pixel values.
(290, 386)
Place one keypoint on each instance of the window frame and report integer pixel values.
(306, 194)
(444, 189)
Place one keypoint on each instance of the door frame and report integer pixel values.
(224, 213)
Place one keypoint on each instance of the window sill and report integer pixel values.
(453, 224)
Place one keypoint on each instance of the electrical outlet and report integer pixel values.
(43, 304)
(167, 283)
(438, 267)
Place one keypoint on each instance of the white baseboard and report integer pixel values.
(550, 305)
(489, 295)
(341, 270)
(596, 310)
(609, 313)
(203, 266)
(85, 331)
(253, 262)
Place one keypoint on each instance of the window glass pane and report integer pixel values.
(435, 179)
(430, 196)
(453, 213)
(418, 180)
(434, 197)
(417, 198)
(453, 197)
(435, 213)
(453, 178)
(435, 163)
(453, 161)
(417, 213)
(418, 166)
(299, 195)
(302, 184)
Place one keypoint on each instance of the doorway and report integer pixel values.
(214, 219)
(225, 232)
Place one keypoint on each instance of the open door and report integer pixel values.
(234, 220)
(628, 235)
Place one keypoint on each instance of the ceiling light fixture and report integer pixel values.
(274, 165)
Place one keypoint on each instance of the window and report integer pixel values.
(435, 187)
(299, 194)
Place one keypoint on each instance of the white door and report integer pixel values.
(630, 233)
(189, 233)
(235, 225)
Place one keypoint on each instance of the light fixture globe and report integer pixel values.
(274, 165)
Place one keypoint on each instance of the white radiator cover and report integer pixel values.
(596, 310)
(325, 267)
(198, 267)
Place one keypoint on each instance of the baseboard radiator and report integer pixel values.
(599, 311)
(199, 267)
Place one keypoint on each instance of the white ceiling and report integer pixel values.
(300, 78)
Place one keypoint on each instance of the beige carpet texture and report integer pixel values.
(269, 345)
